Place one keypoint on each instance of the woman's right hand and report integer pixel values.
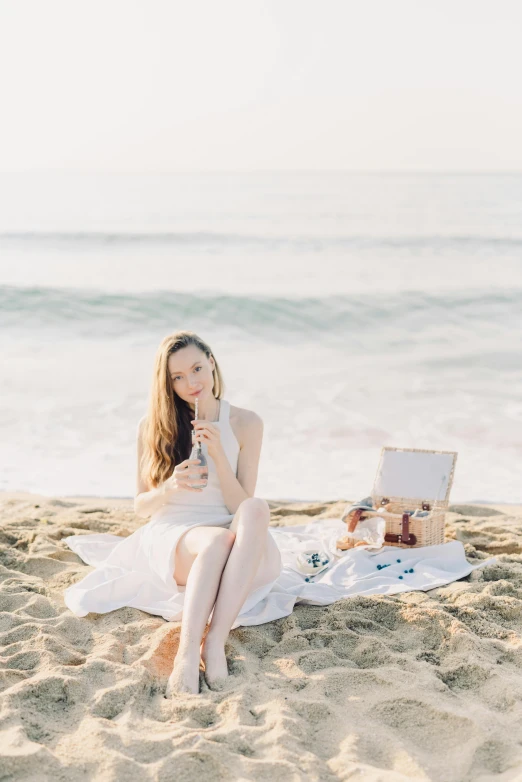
(184, 473)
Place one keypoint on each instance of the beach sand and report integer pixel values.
(418, 686)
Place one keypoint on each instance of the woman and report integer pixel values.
(205, 552)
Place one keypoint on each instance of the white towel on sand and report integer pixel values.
(354, 572)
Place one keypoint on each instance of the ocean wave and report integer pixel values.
(331, 318)
(206, 239)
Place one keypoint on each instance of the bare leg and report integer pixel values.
(200, 595)
(250, 525)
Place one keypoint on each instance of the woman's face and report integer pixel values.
(190, 372)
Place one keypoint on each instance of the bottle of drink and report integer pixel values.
(200, 479)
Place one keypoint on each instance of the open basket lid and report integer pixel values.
(414, 474)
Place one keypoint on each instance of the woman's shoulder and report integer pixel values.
(245, 419)
(246, 425)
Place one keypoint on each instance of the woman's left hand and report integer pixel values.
(210, 435)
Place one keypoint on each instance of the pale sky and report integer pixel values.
(234, 85)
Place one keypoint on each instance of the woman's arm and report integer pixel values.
(235, 490)
(146, 501)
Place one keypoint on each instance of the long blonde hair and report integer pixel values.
(167, 429)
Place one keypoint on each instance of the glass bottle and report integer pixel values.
(200, 479)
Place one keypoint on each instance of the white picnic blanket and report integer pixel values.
(353, 572)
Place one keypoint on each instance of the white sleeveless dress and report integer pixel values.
(138, 570)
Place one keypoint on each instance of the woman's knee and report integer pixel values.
(256, 508)
(222, 539)
(199, 539)
(208, 543)
(252, 516)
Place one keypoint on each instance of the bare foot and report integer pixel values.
(184, 677)
(213, 655)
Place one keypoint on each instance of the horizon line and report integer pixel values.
(465, 172)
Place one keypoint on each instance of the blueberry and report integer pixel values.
(407, 571)
(379, 567)
(400, 576)
(398, 560)
(306, 578)
(412, 570)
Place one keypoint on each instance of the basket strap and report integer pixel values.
(354, 519)
(405, 536)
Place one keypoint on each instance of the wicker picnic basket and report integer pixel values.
(410, 479)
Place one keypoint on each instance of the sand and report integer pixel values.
(421, 686)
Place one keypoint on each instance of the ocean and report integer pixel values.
(351, 311)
